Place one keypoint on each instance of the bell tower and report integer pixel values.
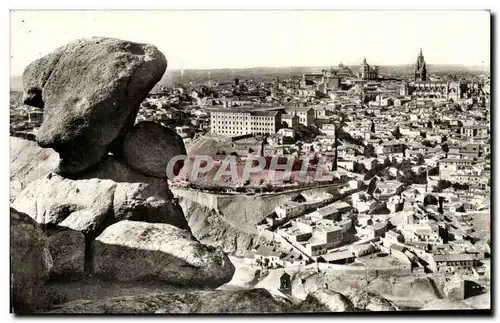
(420, 68)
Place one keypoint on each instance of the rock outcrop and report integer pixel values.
(90, 91)
(368, 302)
(110, 218)
(445, 304)
(28, 162)
(200, 302)
(67, 248)
(325, 300)
(134, 251)
(227, 221)
(149, 146)
(107, 193)
(409, 290)
(138, 197)
(210, 228)
(81, 205)
(30, 261)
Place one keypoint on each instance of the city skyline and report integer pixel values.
(297, 38)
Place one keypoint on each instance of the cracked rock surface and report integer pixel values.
(90, 91)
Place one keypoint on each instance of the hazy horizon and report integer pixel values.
(485, 66)
(217, 39)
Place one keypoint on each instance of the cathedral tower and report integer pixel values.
(420, 69)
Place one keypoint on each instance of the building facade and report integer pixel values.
(421, 87)
(234, 122)
(367, 72)
(305, 114)
(451, 263)
(291, 120)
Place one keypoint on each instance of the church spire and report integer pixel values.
(420, 68)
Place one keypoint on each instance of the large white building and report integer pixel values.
(235, 122)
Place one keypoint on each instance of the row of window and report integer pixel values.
(231, 122)
(454, 263)
(244, 123)
(236, 132)
(239, 117)
(271, 127)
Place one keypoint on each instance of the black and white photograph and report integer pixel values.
(250, 162)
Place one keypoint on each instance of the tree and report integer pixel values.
(459, 186)
(369, 151)
(372, 186)
(379, 208)
(359, 168)
(427, 143)
(430, 200)
(397, 133)
(442, 185)
(287, 140)
(420, 159)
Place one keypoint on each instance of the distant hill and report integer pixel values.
(268, 73)
(16, 83)
(199, 76)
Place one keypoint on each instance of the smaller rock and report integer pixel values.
(52, 201)
(67, 248)
(325, 300)
(135, 251)
(28, 162)
(253, 301)
(109, 192)
(30, 262)
(149, 146)
(138, 197)
(368, 302)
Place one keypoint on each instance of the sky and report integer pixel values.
(236, 39)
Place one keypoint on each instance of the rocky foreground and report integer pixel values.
(95, 227)
(91, 201)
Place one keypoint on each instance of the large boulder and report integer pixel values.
(252, 301)
(28, 162)
(107, 193)
(30, 262)
(135, 251)
(90, 91)
(149, 146)
(67, 248)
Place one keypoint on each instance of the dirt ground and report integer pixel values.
(375, 261)
(407, 292)
(481, 223)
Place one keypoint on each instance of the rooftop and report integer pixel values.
(267, 252)
(340, 255)
(456, 257)
(327, 210)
